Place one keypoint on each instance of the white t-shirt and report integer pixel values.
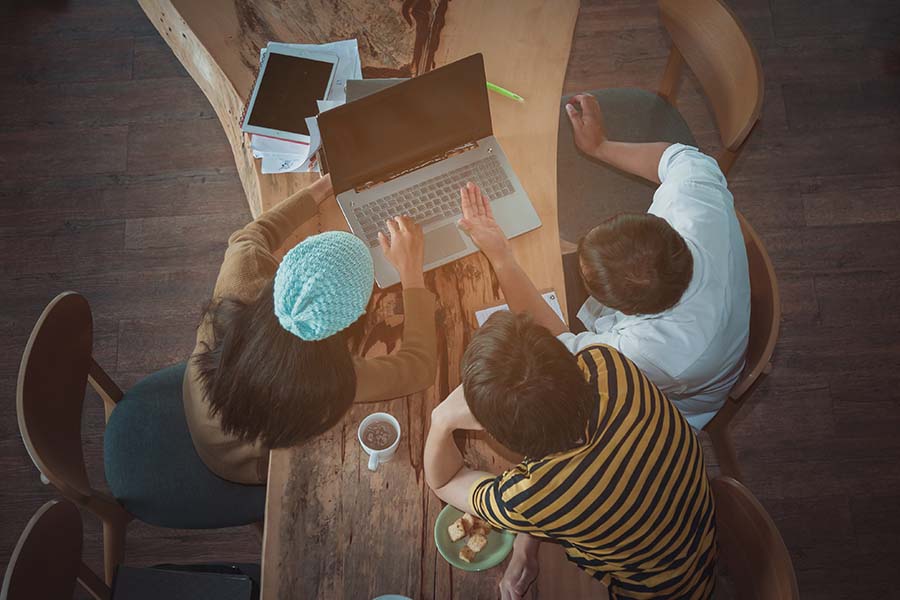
(694, 351)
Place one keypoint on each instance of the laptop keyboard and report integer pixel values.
(433, 199)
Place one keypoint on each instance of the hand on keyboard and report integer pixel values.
(433, 200)
(478, 221)
(405, 250)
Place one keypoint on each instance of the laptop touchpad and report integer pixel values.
(443, 242)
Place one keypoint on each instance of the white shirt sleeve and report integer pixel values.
(686, 163)
(578, 342)
(694, 198)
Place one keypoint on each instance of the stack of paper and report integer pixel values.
(283, 156)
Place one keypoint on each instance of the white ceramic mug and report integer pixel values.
(376, 457)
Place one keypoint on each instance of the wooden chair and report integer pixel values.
(708, 37)
(751, 550)
(56, 366)
(151, 465)
(765, 323)
(46, 562)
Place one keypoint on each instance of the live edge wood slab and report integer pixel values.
(334, 529)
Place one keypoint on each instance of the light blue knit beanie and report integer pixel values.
(323, 285)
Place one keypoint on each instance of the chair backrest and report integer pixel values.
(46, 562)
(47, 558)
(51, 387)
(721, 55)
(750, 547)
(765, 312)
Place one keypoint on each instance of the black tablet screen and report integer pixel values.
(288, 92)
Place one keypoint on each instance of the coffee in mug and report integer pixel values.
(379, 435)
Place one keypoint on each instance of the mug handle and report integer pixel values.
(373, 461)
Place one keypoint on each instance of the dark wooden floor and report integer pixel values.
(116, 180)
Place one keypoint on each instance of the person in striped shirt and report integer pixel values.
(612, 471)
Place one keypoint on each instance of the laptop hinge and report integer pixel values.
(455, 151)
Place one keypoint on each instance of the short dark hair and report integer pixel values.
(635, 263)
(267, 384)
(524, 386)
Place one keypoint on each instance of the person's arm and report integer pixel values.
(270, 230)
(249, 262)
(518, 290)
(523, 568)
(641, 159)
(412, 368)
(445, 472)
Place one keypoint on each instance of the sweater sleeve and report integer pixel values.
(249, 260)
(269, 231)
(412, 368)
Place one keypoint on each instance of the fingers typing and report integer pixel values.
(392, 227)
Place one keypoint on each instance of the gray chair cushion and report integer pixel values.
(589, 191)
(153, 469)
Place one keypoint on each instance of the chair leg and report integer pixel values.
(725, 452)
(726, 159)
(90, 582)
(113, 547)
(668, 87)
(260, 528)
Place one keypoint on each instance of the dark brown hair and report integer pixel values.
(524, 386)
(635, 263)
(267, 384)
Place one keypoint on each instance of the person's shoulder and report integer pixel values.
(512, 483)
(639, 357)
(681, 162)
(600, 362)
(689, 178)
(598, 354)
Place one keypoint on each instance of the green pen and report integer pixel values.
(504, 92)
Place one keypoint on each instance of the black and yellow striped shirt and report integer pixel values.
(633, 506)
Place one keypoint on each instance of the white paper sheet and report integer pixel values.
(549, 297)
(327, 104)
(305, 161)
(265, 146)
(271, 164)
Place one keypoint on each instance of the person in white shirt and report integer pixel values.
(670, 289)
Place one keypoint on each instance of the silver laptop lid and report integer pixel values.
(406, 125)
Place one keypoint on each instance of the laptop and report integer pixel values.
(408, 149)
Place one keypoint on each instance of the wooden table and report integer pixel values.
(333, 529)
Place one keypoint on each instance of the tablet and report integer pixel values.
(286, 90)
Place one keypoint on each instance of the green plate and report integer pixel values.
(499, 544)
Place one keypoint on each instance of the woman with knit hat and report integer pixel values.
(271, 367)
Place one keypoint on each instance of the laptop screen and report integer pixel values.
(406, 124)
